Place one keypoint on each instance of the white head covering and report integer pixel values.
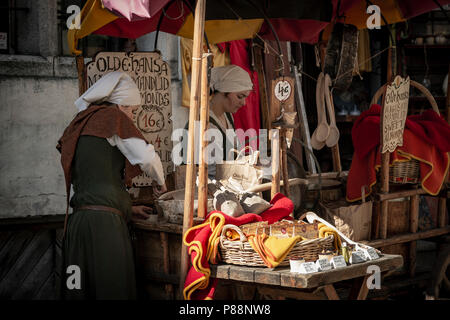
(115, 87)
(231, 78)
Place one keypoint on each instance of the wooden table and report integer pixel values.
(281, 282)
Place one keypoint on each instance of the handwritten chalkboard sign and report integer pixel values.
(394, 114)
(152, 76)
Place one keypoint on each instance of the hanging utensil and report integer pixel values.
(323, 130)
(333, 137)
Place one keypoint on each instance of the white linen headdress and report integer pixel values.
(115, 87)
(231, 78)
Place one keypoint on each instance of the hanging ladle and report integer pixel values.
(322, 131)
(333, 137)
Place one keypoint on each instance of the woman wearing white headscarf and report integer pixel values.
(101, 151)
(230, 86)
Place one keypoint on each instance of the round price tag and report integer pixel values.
(282, 90)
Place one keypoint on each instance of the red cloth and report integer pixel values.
(247, 117)
(426, 138)
(203, 241)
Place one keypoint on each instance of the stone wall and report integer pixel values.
(36, 96)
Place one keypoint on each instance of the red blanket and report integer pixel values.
(203, 242)
(426, 138)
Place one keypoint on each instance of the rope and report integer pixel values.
(179, 17)
(370, 58)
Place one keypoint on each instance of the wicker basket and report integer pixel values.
(405, 172)
(240, 252)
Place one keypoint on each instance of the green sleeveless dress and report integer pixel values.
(98, 242)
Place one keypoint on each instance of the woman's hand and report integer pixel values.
(159, 190)
(141, 212)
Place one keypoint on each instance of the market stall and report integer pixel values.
(205, 235)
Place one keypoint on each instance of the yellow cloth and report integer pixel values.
(273, 250)
(325, 231)
(93, 16)
(223, 30)
(219, 59)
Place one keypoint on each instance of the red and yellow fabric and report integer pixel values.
(203, 241)
(299, 21)
(426, 138)
(224, 20)
(273, 250)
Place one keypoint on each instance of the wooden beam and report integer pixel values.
(408, 237)
(413, 226)
(399, 194)
(284, 164)
(442, 212)
(275, 152)
(204, 124)
(199, 27)
(166, 263)
(331, 293)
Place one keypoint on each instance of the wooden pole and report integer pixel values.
(283, 146)
(166, 263)
(275, 150)
(81, 69)
(204, 124)
(262, 87)
(413, 226)
(385, 160)
(448, 96)
(199, 25)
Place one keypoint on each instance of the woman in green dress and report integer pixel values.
(101, 151)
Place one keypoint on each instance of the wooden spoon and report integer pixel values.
(333, 137)
(321, 133)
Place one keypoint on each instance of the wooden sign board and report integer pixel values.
(152, 76)
(394, 114)
(282, 96)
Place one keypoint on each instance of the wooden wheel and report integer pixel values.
(440, 284)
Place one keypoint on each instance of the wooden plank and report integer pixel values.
(50, 290)
(399, 194)
(442, 213)
(331, 293)
(160, 227)
(37, 278)
(274, 292)
(266, 276)
(246, 274)
(364, 289)
(295, 280)
(49, 222)
(25, 263)
(408, 237)
(413, 226)
(4, 238)
(12, 250)
(221, 271)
